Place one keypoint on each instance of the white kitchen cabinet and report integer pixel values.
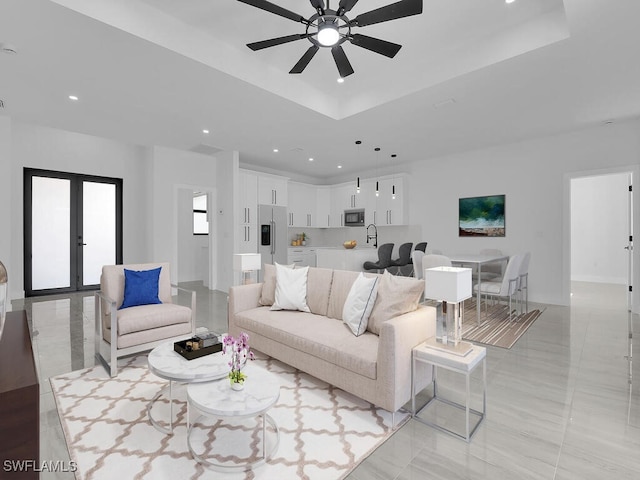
(302, 205)
(339, 195)
(386, 209)
(345, 259)
(323, 207)
(247, 212)
(272, 189)
(302, 256)
(343, 197)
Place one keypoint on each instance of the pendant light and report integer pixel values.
(393, 187)
(377, 149)
(358, 143)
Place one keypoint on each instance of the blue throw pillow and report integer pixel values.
(141, 287)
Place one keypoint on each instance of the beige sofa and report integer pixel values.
(376, 368)
(119, 333)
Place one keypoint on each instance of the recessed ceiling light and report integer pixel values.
(509, 1)
(340, 80)
(310, 159)
(275, 150)
(73, 97)
(205, 131)
(339, 166)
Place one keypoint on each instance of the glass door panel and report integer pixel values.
(98, 239)
(51, 223)
(72, 227)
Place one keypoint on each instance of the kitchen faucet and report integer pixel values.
(373, 237)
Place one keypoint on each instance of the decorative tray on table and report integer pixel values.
(198, 346)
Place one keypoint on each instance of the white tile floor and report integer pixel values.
(561, 404)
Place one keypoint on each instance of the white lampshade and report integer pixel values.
(447, 284)
(245, 262)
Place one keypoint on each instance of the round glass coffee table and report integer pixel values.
(229, 409)
(165, 363)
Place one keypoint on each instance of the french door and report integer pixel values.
(72, 227)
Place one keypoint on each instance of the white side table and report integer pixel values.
(464, 365)
(165, 363)
(218, 400)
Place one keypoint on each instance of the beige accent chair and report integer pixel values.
(137, 329)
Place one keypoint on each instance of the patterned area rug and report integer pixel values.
(496, 328)
(324, 432)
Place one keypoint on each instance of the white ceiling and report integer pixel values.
(156, 72)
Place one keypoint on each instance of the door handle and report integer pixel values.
(273, 237)
(628, 247)
(81, 244)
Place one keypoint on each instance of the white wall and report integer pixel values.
(227, 201)
(5, 201)
(46, 148)
(599, 228)
(173, 171)
(532, 174)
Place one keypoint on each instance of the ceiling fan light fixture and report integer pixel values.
(328, 34)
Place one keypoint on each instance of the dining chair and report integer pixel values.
(422, 246)
(507, 287)
(384, 258)
(404, 257)
(416, 257)
(523, 282)
(491, 271)
(433, 260)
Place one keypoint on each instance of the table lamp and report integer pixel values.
(4, 299)
(248, 265)
(449, 285)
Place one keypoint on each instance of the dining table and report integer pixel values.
(477, 260)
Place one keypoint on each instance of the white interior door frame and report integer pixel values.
(213, 242)
(634, 220)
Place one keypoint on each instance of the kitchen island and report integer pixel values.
(341, 258)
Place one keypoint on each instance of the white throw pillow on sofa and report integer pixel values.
(291, 289)
(359, 303)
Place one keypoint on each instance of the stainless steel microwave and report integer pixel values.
(354, 218)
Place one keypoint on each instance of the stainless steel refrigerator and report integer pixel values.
(272, 241)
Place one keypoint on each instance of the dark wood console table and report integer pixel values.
(19, 397)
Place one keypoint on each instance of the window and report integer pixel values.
(200, 222)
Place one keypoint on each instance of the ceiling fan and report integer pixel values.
(331, 28)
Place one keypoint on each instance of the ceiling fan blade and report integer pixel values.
(305, 59)
(345, 6)
(382, 47)
(318, 5)
(276, 41)
(404, 8)
(342, 62)
(270, 7)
